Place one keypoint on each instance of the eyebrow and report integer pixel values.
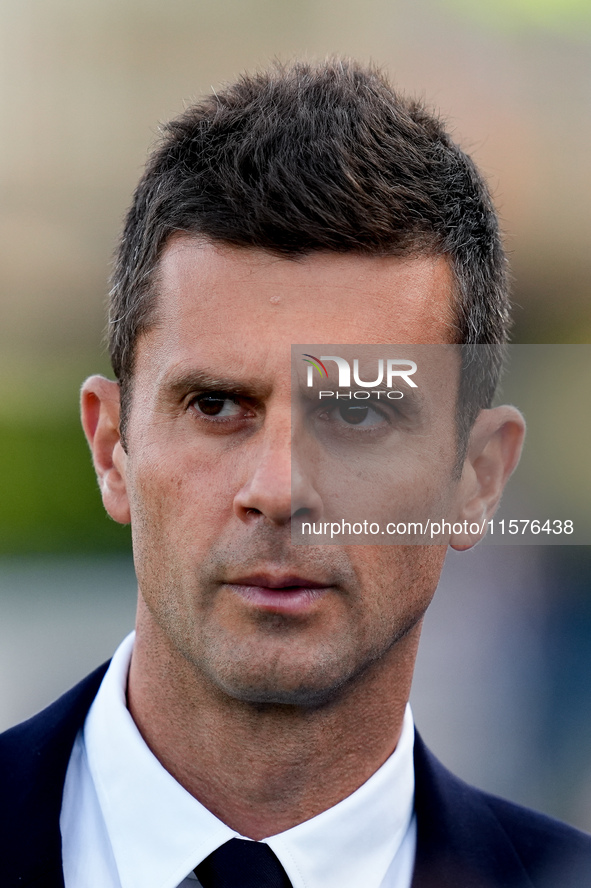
(177, 385)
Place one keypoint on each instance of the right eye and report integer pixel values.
(221, 406)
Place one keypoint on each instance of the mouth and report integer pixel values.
(289, 594)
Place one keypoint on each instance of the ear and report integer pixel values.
(100, 408)
(494, 448)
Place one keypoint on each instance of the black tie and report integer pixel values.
(242, 864)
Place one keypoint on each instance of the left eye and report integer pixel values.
(352, 414)
(355, 414)
(219, 405)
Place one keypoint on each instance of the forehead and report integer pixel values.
(241, 297)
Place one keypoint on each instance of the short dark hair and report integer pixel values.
(303, 158)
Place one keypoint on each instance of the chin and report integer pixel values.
(303, 696)
(318, 682)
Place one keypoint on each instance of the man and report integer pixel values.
(256, 731)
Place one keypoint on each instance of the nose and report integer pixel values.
(280, 485)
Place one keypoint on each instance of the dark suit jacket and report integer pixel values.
(465, 838)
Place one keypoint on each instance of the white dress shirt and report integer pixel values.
(127, 823)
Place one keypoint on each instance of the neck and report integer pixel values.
(263, 768)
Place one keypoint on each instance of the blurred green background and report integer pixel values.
(83, 87)
(503, 688)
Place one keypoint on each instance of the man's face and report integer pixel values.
(208, 474)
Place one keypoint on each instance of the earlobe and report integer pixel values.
(493, 453)
(100, 409)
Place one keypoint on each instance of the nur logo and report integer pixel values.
(391, 369)
(314, 363)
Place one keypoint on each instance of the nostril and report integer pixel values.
(303, 512)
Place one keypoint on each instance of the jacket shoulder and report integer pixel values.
(471, 838)
(34, 758)
(49, 730)
(553, 853)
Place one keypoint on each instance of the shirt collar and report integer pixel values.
(159, 832)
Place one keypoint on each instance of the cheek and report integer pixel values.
(407, 477)
(176, 514)
(400, 581)
(179, 494)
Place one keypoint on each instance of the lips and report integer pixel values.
(282, 582)
(281, 593)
